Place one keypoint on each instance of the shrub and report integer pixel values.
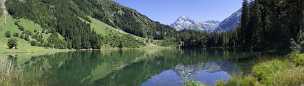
(297, 58)
(21, 28)
(239, 81)
(8, 34)
(16, 34)
(265, 71)
(193, 83)
(34, 43)
(12, 43)
(54, 41)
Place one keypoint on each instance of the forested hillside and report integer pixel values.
(71, 20)
(272, 24)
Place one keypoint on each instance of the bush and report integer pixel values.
(265, 71)
(193, 83)
(16, 34)
(239, 81)
(54, 41)
(297, 58)
(12, 43)
(21, 28)
(8, 34)
(34, 43)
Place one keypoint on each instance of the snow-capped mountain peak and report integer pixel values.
(185, 23)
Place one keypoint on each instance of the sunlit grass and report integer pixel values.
(277, 72)
(240, 81)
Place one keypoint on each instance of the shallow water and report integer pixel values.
(121, 68)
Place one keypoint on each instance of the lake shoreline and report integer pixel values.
(49, 50)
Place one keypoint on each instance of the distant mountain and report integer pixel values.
(185, 23)
(230, 23)
(210, 26)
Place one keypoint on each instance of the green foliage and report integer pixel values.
(112, 37)
(265, 71)
(290, 77)
(193, 83)
(195, 39)
(297, 58)
(240, 81)
(16, 34)
(272, 73)
(12, 43)
(66, 19)
(34, 43)
(54, 41)
(192, 39)
(8, 34)
(167, 43)
(267, 27)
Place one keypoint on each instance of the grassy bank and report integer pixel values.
(23, 46)
(277, 72)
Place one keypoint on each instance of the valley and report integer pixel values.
(123, 43)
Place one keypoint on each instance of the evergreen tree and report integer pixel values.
(243, 34)
(12, 43)
(8, 34)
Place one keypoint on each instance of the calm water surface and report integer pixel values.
(121, 68)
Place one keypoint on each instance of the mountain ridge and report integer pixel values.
(230, 23)
(185, 23)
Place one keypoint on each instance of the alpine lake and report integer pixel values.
(153, 67)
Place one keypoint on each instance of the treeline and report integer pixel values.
(195, 39)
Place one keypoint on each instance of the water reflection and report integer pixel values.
(116, 68)
(208, 73)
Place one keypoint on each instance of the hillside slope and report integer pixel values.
(23, 45)
(112, 37)
(230, 23)
(70, 19)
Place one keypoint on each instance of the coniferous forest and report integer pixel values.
(109, 43)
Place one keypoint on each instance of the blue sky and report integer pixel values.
(167, 11)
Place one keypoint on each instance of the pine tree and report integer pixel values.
(244, 24)
(12, 43)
